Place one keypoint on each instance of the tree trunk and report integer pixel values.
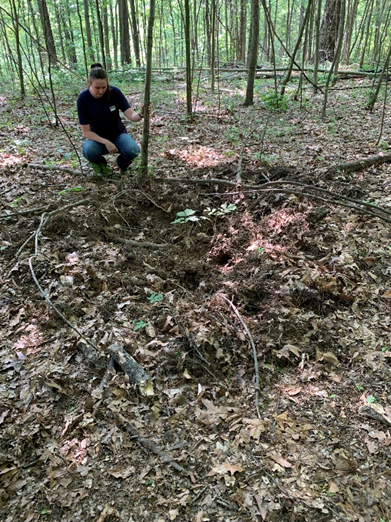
(147, 92)
(47, 31)
(330, 29)
(100, 32)
(15, 18)
(189, 102)
(106, 34)
(124, 31)
(252, 52)
(135, 34)
(88, 30)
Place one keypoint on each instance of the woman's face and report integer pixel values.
(98, 88)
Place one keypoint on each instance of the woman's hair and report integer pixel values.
(97, 73)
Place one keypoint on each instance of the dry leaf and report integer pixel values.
(280, 460)
(225, 468)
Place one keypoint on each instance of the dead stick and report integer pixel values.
(255, 356)
(150, 445)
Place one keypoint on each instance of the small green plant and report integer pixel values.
(384, 349)
(333, 396)
(222, 211)
(274, 101)
(155, 298)
(101, 169)
(359, 387)
(371, 399)
(70, 189)
(16, 202)
(139, 325)
(185, 216)
(260, 250)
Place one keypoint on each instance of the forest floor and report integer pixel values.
(301, 280)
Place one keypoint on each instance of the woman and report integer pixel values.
(98, 108)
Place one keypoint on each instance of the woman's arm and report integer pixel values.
(93, 136)
(132, 115)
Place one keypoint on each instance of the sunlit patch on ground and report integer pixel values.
(8, 160)
(281, 219)
(197, 156)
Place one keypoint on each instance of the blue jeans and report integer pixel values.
(127, 147)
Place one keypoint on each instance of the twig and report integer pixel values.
(44, 221)
(145, 244)
(23, 212)
(255, 356)
(153, 201)
(60, 314)
(54, 167)
(154, 448)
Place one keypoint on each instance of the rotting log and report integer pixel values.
(134, 370)
(360, 164)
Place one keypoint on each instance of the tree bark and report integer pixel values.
(147, 92)
(252, 52)
(47, 31)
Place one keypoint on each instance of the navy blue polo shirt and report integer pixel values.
(103, 113)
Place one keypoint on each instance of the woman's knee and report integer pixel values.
(92, 151)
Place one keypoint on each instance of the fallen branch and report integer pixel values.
(361, 164)
(255, 355)
(310, 192)
(130, 366)
(23, 212)
(145, 244)
(145, 443)
(54, 167)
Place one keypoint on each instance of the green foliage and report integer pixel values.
(138, 325)
(16, 202)
(102, 169)
(371, 399)
(189, 214)
(71, 189)
(185, 216)
(155, 298)
(274, 101)
(222, 211)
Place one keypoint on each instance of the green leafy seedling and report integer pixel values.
(71, 189)
(155, 298)
(139, 325)
(260, 250)
(185, 215)
(17, 201)
(333, 396)
(359, 387)
(371, 399)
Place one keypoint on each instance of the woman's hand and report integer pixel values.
(111, 147)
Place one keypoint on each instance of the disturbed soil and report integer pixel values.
(262, 318)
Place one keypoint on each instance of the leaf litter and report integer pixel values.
(310, 280)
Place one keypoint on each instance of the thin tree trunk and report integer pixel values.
(147, 92)
(293, 57)
(189, 102)
(252, 52)
(15, 17)
(135, 34)
(47, 31)
(100, 32)
(88, 30)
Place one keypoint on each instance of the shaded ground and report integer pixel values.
(309, 279)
